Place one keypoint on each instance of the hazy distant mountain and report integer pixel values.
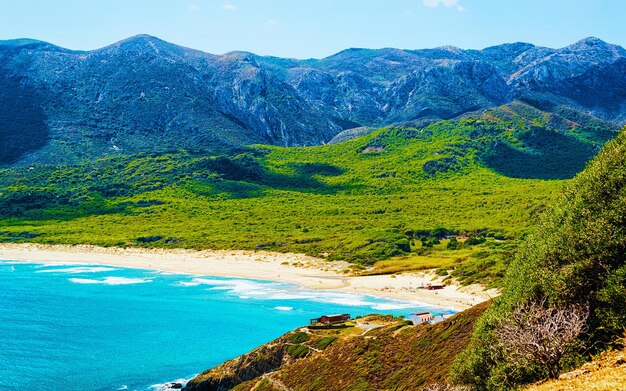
(144, 94)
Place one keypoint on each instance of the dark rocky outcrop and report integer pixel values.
(254, 364)
(349, 134)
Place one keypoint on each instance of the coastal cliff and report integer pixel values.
(380, 352)
(258, 362)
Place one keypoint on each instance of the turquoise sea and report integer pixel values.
(90, 327)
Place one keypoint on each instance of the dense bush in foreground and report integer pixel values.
(576, 257)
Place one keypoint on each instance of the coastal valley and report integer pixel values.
(500, 170)
(454, 195)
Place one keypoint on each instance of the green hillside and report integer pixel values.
(388, 357)
(389, 199)
(574, 259)
(391, 358)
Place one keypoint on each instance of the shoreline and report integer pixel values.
(302, 270)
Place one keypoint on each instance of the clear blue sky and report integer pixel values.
(314, 28)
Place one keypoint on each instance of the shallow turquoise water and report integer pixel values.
(107, 328)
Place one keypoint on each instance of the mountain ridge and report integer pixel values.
(143, 94)
(145, 36)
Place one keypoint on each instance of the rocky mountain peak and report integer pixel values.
(240, 57)
(21, 42)
(594, 46)
(140, 42)
(506, 51)
(31, 44)
(451, 49)
(147, 94)
(590, 41)
(144, 44)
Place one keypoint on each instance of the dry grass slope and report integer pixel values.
(605, 373)
(394, 357)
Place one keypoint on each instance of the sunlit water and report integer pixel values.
(94, 327)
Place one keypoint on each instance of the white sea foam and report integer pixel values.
(54, 264)
(168, 386)
(283, 308)
(188, 283)
(165, 272)
(111, 281)
(249, 289)
(393, 306)
(345, 299)
(77, 270)
(4, 262)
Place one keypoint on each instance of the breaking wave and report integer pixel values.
(111, 281)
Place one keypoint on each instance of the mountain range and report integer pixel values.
(147, 95)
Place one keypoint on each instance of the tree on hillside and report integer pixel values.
(539, 335)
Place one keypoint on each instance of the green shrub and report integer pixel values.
(403, 245)
(441, 232)
(297, 351)
(299, 337)
(453, 244)
(324, 342)
(441, 272)
(575, 257)
(474, 240)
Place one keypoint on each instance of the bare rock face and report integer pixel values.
(267, 358)
(231, 373)
(446, 90)
(349, 134)
(586, 76)
(146, 95)
(573, 374)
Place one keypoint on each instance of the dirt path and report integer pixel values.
(367, 327)
(276, 383)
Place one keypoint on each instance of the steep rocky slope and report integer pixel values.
(395, 356)
(143, 94)
(146, 95)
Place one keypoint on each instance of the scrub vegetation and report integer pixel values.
(389, 358)
(574, 260)
(402, 198)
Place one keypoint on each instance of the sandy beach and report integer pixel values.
(308, 272)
